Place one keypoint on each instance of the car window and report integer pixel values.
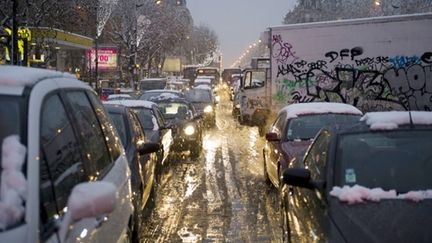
(61, 164)
(317, 156)
(159, 117)
(137, 128)
(111, 136)
(277, 126)
(305, 127)
(90, 131)
(145, 117)
(120, 125)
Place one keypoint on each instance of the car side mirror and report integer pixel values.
(297, 177)
(148, 148)
(87, 200)
(272, 137)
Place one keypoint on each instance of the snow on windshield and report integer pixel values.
(359, 194)
(295, 110)
(13, 187)
(392, 119)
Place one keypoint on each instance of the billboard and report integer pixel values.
(107, 58)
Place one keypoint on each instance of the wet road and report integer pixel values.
(221, 196)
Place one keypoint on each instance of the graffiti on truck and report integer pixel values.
(372, 83)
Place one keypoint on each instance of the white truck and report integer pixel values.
(375, 64)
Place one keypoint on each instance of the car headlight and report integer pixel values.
(208, 109)
(189, 130)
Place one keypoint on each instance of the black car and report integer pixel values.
(367, 183)
(204, 103)
(140, 154)
(184, 122)
(154, 125)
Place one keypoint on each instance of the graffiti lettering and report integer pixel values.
(404, 61)
(282, 51)
(333, 55)
(286, 69)
(413, 84)
(427, 57)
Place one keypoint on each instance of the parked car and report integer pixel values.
(141, 156)
(161, 93)
(69, 179)
(294, 129)
(155, 127)
(204, 103)
(365, 183)
(184, 122)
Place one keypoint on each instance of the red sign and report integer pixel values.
(107, 58)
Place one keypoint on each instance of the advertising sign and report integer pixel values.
(107, 58)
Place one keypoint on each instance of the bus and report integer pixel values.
(209, 72)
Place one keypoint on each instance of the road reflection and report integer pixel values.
(220, 197)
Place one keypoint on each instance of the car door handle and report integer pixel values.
(100, 221)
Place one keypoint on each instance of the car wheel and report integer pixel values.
(286, 231)
(267, 179)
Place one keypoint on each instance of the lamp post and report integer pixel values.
(14, 51)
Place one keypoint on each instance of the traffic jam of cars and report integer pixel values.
(315, 134)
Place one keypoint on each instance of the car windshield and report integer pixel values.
(198, 96)
(10, 118)
(145, 116)
(305, 127)
(175, 110)
(400, 160)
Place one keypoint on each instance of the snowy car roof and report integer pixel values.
(294, 110)
(113, 96)
(132, 103)
(24, 76)
(202, 80)
(387, 120)
(202, 86)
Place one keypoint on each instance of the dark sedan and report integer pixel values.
(154, 125)
(204, 103)
(294, 129)
(365, 183)
(184, 122)
(140, 154)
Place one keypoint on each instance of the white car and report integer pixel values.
(64, 174)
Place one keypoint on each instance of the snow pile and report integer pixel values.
(392, 119)
(13, 185)
(294, 110)
(360, 194)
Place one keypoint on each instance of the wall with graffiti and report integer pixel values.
(391, 70)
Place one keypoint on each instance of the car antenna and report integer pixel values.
(411, 120)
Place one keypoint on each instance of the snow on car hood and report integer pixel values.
(13, 184)
(383, 221)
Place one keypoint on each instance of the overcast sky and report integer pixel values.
(238, 23)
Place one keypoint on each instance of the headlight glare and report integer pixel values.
(189, 130)
(208, 109)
